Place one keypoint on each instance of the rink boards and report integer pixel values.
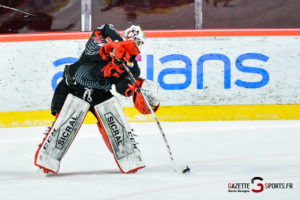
(204, 75)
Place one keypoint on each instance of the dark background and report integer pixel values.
(26, 16)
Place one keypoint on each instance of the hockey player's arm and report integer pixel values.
(123, 52)
(110, 31)
(92, 47)
(122, 83)
(96, 48)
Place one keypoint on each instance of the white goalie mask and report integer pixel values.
(136, 34)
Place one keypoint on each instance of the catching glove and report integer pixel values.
(150, 91)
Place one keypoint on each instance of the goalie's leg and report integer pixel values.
(61, 134)
(118, 136)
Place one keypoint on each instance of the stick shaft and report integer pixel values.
(152, 112)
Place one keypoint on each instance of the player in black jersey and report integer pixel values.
(88, 72)
(88, 82)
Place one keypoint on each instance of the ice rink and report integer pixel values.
(218, 153)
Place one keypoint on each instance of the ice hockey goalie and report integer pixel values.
(85, 87)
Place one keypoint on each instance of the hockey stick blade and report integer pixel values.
(186, 170)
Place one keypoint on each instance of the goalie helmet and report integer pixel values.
(136, 34)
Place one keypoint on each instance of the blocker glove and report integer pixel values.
(120, 54)
(122, 51)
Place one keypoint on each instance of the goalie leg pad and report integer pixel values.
(104, 135)
(118, 135)
(61, 134)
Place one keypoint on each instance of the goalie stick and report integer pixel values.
(181, 169)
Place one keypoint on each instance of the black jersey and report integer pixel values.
(89, 74)
(87, 71)
(97, 40)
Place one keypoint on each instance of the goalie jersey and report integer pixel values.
(97, 40)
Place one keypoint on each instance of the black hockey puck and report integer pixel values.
(186, 170)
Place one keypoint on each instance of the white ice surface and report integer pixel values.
(218, 153)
